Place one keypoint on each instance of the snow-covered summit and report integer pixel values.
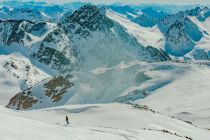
(89, 18)
(200, 13)
(92, 27)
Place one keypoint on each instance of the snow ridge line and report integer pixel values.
(168, 132)
(144, 107)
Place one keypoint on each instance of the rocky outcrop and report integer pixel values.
(56, 87)
(200, 54)
(23, 100)
(177, 41)
(158, 55)
(57, 51)
(85, 20)
(50, 92)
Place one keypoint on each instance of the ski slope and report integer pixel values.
(186, 98)
(94, 122)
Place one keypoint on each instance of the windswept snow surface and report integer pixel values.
(94, 122)
(186, 98)
(145, 36)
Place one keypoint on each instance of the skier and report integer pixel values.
(67, 120)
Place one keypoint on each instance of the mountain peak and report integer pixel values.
(201, 13)
(149, 11)
(87, 18)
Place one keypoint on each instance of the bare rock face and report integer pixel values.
(56, 87)
(85, 20)
(22, 100)
(46, 93)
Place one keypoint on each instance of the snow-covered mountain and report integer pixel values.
(180, 32)
(22, 14)
(166, 8)
(149, 17)
(97, 57)
(88, 39)
(33, 11)
(97, 39)
(89, 27)
(146, 17)
(125, 10)
(184, 32)
(76, 34)
(200, 13)
(42, 41)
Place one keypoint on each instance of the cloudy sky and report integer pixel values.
(136, 1)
